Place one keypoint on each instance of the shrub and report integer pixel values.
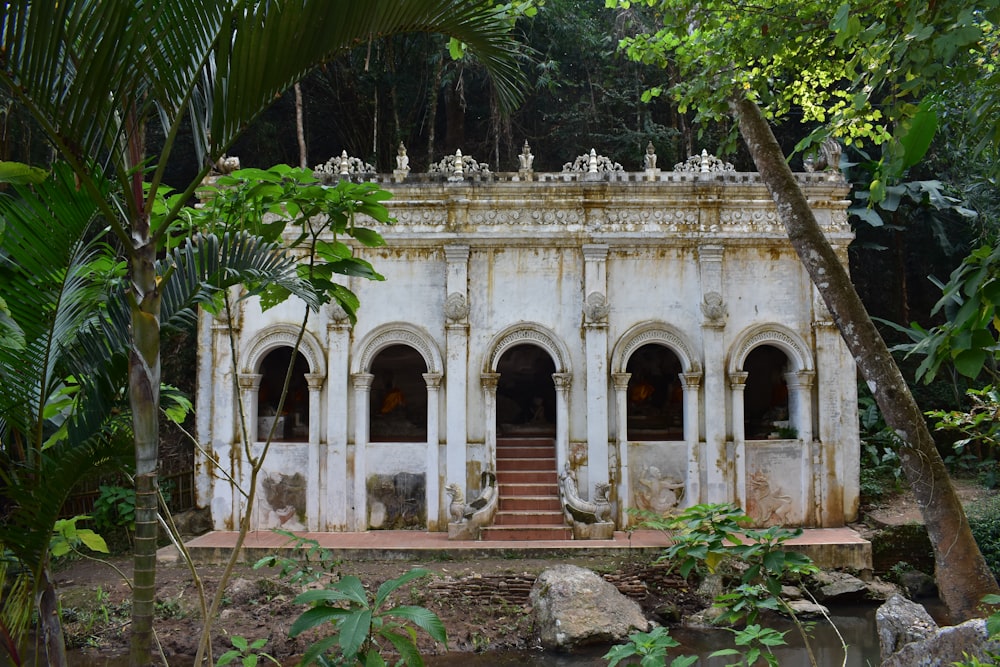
(984, 520)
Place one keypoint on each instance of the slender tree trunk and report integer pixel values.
(300, 128)
(962, 575)
(48, 620)
(433, 106)
(144, 399)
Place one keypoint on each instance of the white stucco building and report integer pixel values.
(652, 330)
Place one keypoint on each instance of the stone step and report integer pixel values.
(538, 464)
(528, 518)
(535, 490)
(526, 533)
(539, 452)
(527, 477)
(525, 442)
(530, 503)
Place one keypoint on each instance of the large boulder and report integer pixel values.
(901, 622)
(575, 607)
(909, 637)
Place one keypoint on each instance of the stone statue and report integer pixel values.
(402, 159)
(526, 158)
(227, 164)
(456, 509)
(585, 511)
(650, 159)
(825, 158)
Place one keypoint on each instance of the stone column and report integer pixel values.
(621, 437)
(718, 481)
(562, 382)
(596, 351)
(249, 390)
(800, 416)
(435, 505)
(362, 389)
(240, 468)
(691, 384)
(335, 508)
(737, 384)
(313, 511)
(800, 403)
(456, 312)
(489, 383)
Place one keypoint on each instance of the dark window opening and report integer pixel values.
(765, 398)
(398, 401)
(293, 422)
(655, 397)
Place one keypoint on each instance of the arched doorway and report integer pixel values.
(292, 424)
(766, 394)
(398, 399)
(526, 395)
(655, 397)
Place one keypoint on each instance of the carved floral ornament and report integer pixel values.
(713, 308)
(596, 307)
(456, 307)
(704, 163)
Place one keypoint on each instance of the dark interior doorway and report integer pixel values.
(655, 397)
(526, 393)
(293, 422)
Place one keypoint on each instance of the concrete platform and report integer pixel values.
(841, 548)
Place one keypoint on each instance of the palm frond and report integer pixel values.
(208, 264)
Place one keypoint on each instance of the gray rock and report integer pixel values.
(946, 646)
(838, 586)
(806, 609)
(573, 606)
(901, 622)
(918, 584)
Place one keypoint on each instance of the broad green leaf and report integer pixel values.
(970, 362)
(92, 540)
(354, 628)
(22, 174)
(918, 133)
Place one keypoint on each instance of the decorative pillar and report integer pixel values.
(249, 389)
(595, 311)
(362, 389)
(489, 382)
(562, 382)
(800, 416)
(435, 505)
(737, 384)
(691, 384)
(456, 310)
(239, 473)
(333, 511)
(621, 436)
(719, 484)
(315, 382)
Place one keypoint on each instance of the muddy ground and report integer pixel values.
(483, 604)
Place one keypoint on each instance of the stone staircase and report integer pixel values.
(529, 505)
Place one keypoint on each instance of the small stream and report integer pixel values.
(855, 622)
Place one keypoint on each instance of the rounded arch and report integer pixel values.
(654, 332)
(284, 335)
(398, 333)
(527, 332)
(777, 336)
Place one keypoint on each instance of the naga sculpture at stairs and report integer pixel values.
(468, 518)
(591, 519)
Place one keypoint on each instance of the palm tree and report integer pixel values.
(94, 74)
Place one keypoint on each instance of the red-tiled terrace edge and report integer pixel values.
(828, 547)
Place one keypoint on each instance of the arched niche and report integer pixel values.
(527, 333)
(397, 333)
(654, 332)
(284, 335)
(777, 336)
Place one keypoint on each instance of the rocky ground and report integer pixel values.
(483, 604)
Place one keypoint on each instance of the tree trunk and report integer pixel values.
(300, 128)
(49, 622)
(962, 575)
(144, 397)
